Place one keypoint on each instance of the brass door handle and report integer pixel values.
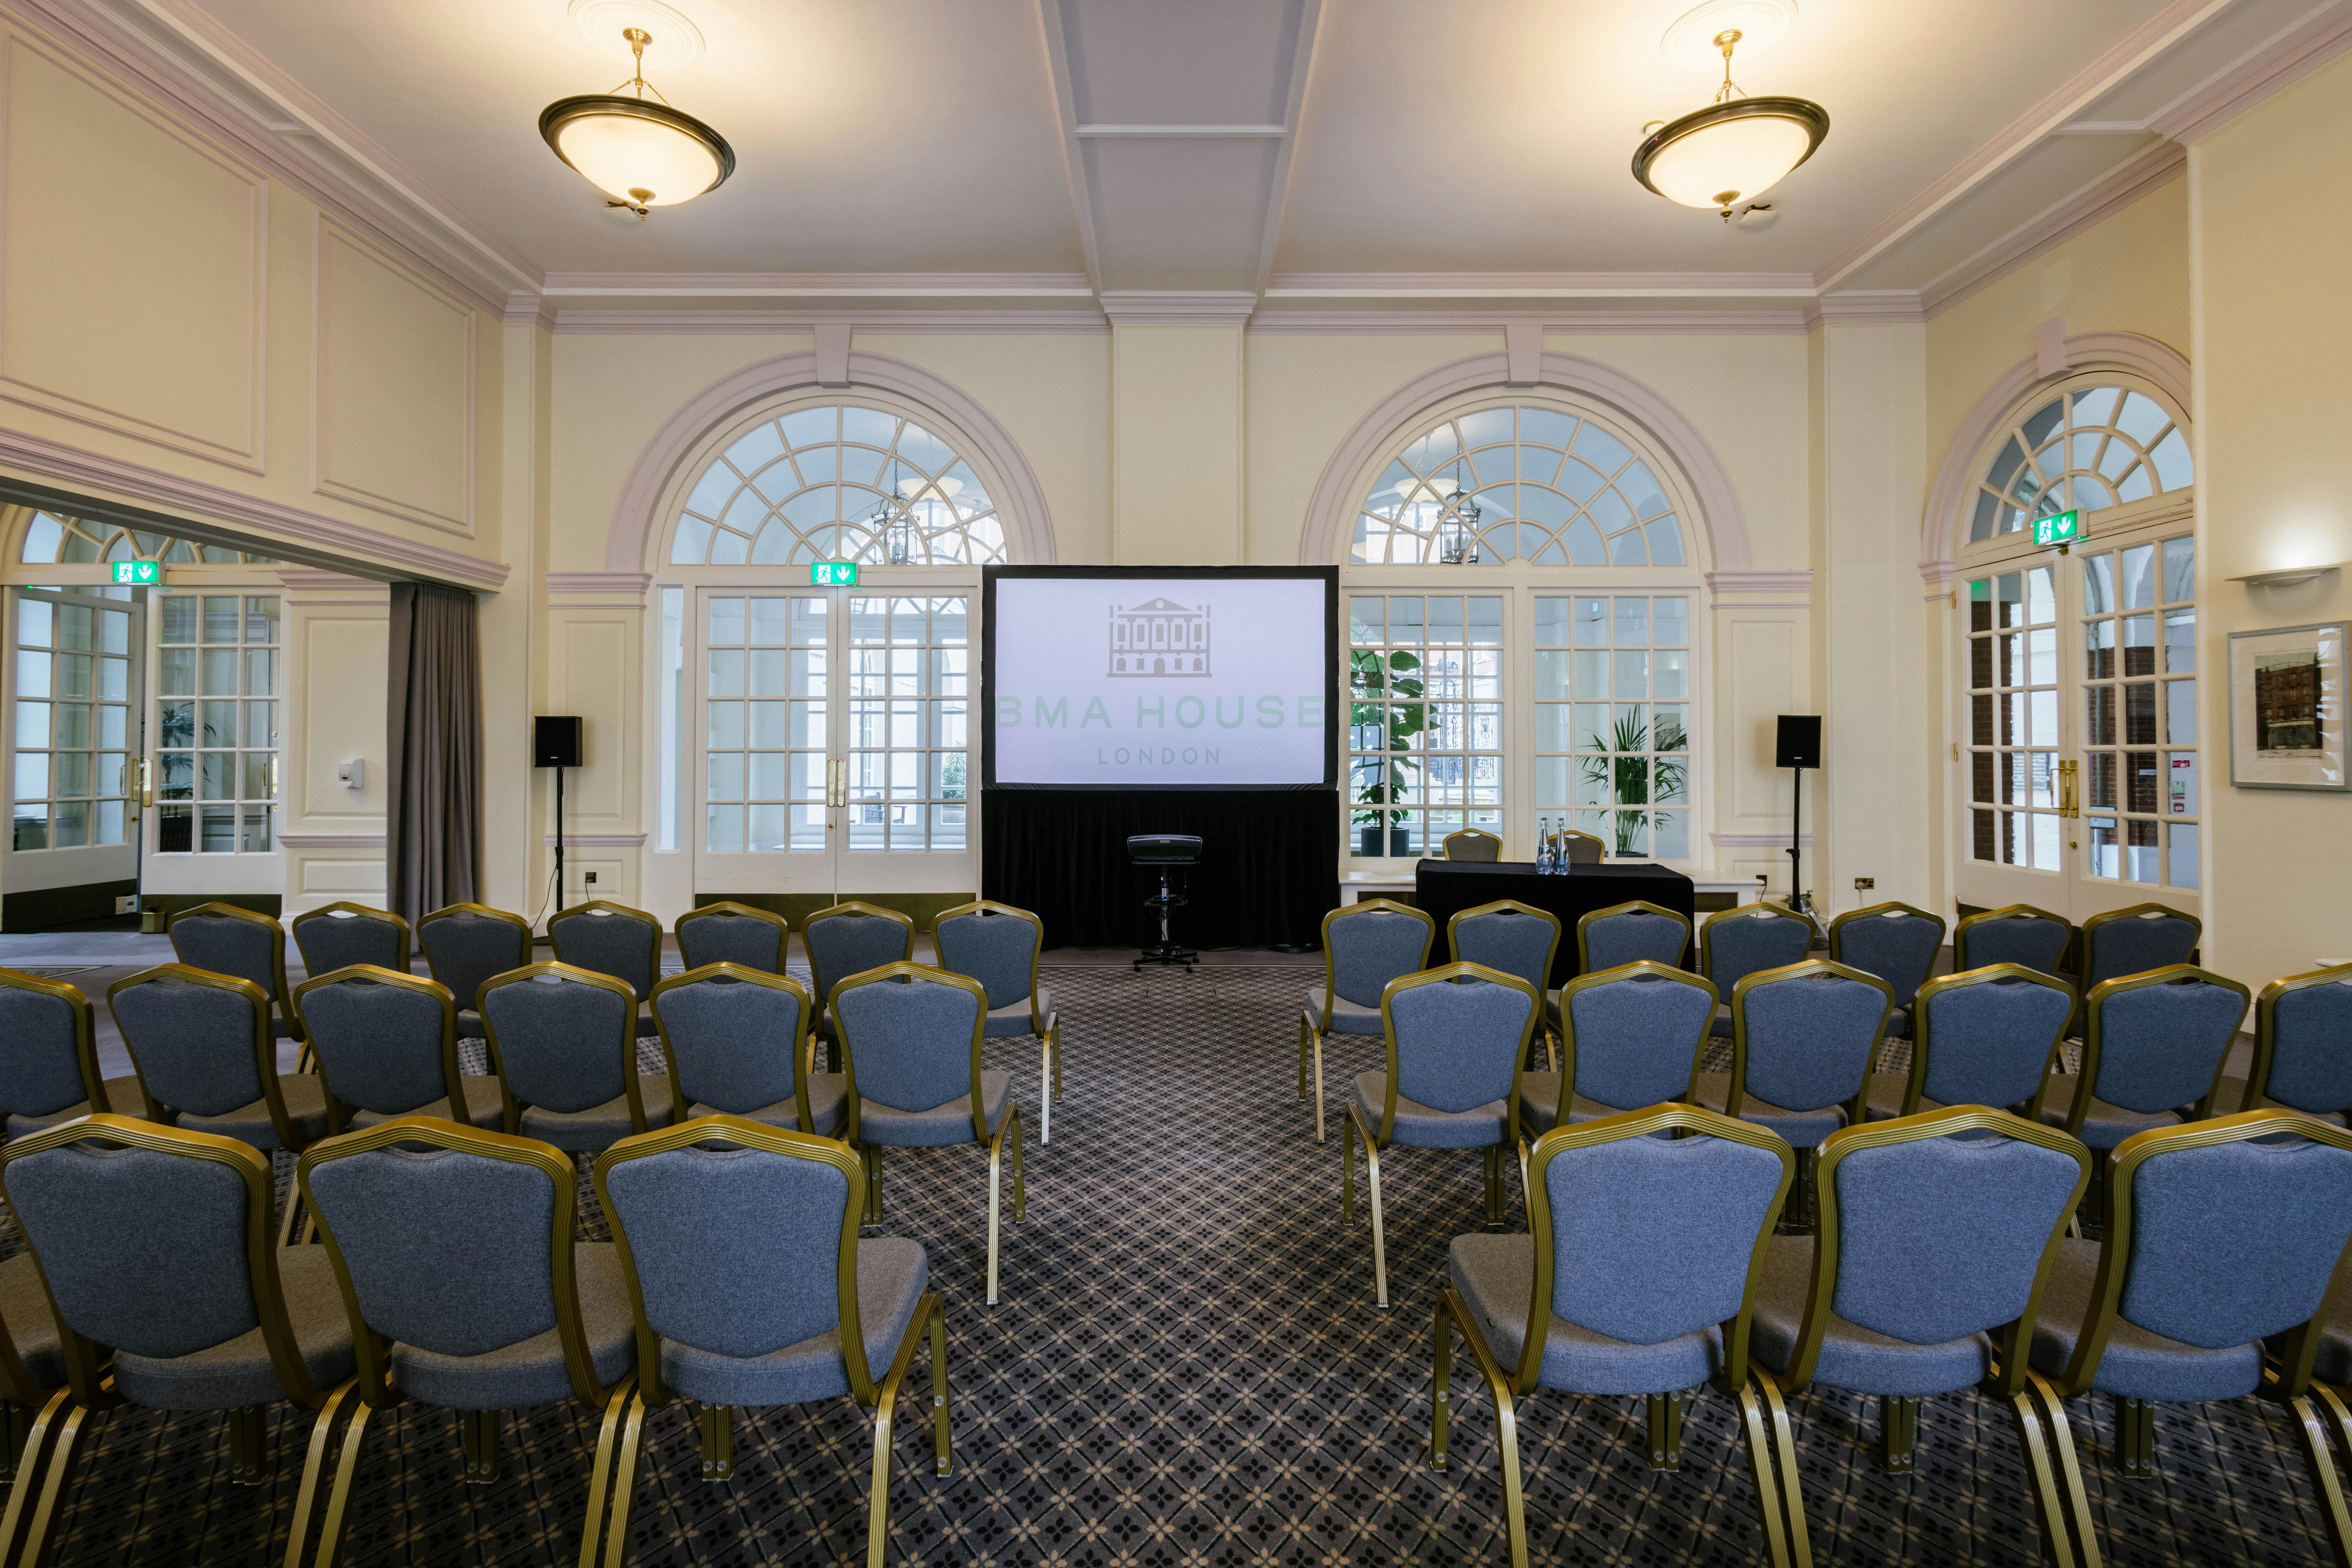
(2070, 802)
(836, 783)
(146, 788)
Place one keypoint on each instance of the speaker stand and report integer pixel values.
(559, 838)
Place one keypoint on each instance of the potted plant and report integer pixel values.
(1629, 779)
(1374, 685)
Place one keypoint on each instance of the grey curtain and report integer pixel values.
(433, 725)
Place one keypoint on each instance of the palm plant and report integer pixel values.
(1630, 779)
(1374, 685)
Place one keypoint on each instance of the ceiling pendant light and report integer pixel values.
(1734, 150)
(641, 154)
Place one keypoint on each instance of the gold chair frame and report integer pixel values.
(1311, 1033)
(2094, 1007)
(1916, 1085)
(327, 912)
(276, 957)
(2258, 1072)
(729, 908)
(338, 1113)
(1049, 1072)
(1583, 952)
(1639, 967)
(611, 911)
(1471, 837)
(1742, 912)
(511, 1108)
(2006, 912)
(2137, 911)
(1551, 957)
(804, 1043)
(1569, 836)
(93, 1081)
(480, 911)
(826, 1025)
(1736, 1092)
(1878, 912)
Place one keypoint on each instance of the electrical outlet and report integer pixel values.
(592, 878)
(1864, 884)
(127, 904)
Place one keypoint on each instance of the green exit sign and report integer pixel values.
(140, 573)
(833, 574)
(2058, 528)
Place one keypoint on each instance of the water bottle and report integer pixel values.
(1543, 847)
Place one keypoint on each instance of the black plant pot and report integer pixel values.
(1367, 841)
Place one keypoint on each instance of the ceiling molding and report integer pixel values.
(525, 309)
(1053, 24)
(2281, 65)
(1866, 308)
(1646, 323)
(1539, 285)
(1276, 210)
(2094, 202)
(563, 286)
(1179, 308)
(686, 323)
(1252, 132)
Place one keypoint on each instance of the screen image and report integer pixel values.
(1142, 679)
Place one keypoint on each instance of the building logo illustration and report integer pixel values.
(1159, 638)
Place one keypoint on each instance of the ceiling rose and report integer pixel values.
(1690, 42)
(1734, 150)
(641, 154)
(676, 43)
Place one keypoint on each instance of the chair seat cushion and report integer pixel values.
(306, 1107)
(939, 1126)
(1420, 1127)
(24, 1308)
(1854, 1358)
(828, 1095)
(1013, 1019)
(599, 1126)
(2104, 1125)
(532, 1371)
(1347, 1017)
(237, 1372)
(484, 1106)
(1898, 1024)
(2332, 1365)
(1721, 1028)
(892, 1275)
(1496, 1278)
(2138, 1364)
(2232, 1095)
(1799, 1128)
(121, 1093)
(469, 1024)
(1539, 1105)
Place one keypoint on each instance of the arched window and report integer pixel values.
(838, 482)
(2085, 449)
(54, 540)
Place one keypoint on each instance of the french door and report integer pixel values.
(75, 724)
(2082, 756)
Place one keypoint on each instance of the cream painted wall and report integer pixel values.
(1178, 414)
(333, 631)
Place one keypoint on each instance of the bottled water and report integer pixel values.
(1544, 862)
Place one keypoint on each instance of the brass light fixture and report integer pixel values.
(640, 153)
(1457, 525)
(1734, 150)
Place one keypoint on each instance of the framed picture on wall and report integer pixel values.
(2286, 707)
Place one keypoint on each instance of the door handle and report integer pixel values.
(2070, 802)
(146, 789)
(836, 783)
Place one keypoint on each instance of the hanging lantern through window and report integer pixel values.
(1457, 524)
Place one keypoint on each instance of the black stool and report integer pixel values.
(1164, 852)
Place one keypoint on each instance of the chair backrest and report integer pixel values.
(1472, 844)
(1582, 848)
(995, 944)
(1631, 933)
(738, 1240)
(910, 1037)
(1630, 1036)
(1736, 944)
(609, 939)
(336, 936)
(1892, 940)
(1987, 1037)
(1457, 1037)
(2014, 933)
(386, 1042)
(733, 1036)
(851, 938)
(730, 932)
(2156, 1041)
(2137, 939)
(1646, 1239)
(1803, 1036)
(1365, 945)
(561, 1038)
(385, 1200)
(198, 1039)
(2302, 1043)
(49, 1060)
(1515, 938)
(226, 940)
(467, 944)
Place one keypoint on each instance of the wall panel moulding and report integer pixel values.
(1206, 308)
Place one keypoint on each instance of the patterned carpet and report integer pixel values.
(1187, 1369)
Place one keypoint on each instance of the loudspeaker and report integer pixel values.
(555, 743)
(1797, 745)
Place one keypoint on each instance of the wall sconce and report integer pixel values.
(2288, 576)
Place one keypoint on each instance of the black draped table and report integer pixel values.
(1444, 888)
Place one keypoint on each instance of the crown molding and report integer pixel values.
(1539, 285)
(1178, 307)
(312, 580)
(2094, 202)
(584, 589)
(561, 287)
(1867, 307)
(2270, 70)
(1648, 323)
(689, 322)
(525, 309)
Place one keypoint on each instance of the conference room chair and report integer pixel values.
(1365, 946)
(1630, 1038)
(1457, 1039)
(1582, 848)
(1640, 1266)
(2015, 934)
(564, 1043)
(1894, 942)
(910, 1039)
(542, 1319)
(1736, 944)
(245, 943)
(49, 1057)
(467, 944)
(386, 1044)
(2136, 939)
(1517, 938)
(730, 932)
(847, 939)
(2153, 1048)
(2331, 1373)
(1933, 1243)
(1984, 1036)
(32, 1360)
(998, 945)
(737, 1041)
(336, 936)
(1472, 844)
(750, 1287)
(611, 939)
(170, 1294)
(2303, 1049)
(2220, 1236)
(1635, 933)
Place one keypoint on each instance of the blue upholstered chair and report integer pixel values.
(730, 932)
(1803, 1038)
(386, 1045)
(997, 945)
(738, 1042)
(1986, 1037)
(1736, 944)
(1630, 1038)
(225, 940)
(336, 936)
(1933, 1241)
(1365, 946)
(1641, 1264)
(1896, 942)
(48, 1057)
(539, 1319)
(2015, 934)
(2153, 1048)
(847, 939)
(2136, 939)
(751, 1287)
(1472, 844)
(2303, 1049)
(201, 1046)
(612, 939)
(2220, 1236)
(564, 1043)
(1457, 1038)
(467, 945)
(1635, 933)
(910, 1045)
(155, 1251)
(1515, 939)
